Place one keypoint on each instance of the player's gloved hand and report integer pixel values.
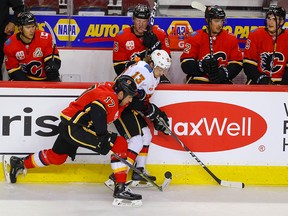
(150, 40)
(155, 114)
(52, 70)
(264, 80)
(284, 80)
(106, 142)
(219, 77)
(209, 65)
(159, 123)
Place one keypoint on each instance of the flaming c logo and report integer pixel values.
(211, 126)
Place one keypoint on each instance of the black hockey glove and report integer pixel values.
(106, 142)
(52, 70)
(155, 114)
(264, 80)
(159, 125)
(208, 65)
(219, 77)
(284, 80)
(151, 41)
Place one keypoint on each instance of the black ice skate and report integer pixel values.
(110, 183)
(13, 166)
(123, 196)
(138, 181)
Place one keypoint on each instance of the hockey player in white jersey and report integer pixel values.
(132, 124)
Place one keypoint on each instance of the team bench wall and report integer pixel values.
(238, 131)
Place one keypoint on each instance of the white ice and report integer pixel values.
(178, 200)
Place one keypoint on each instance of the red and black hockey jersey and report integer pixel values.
(30, 57)
(103, 95)
(259, 51)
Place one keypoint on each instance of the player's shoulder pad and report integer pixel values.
(147, 66)
(253, 30)
(8, 41)
(121, 32)
(157, 28)
(194, 33)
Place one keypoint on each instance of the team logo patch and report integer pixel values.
(130, 45)
(38, 53)
(20, 55)
(44, 35)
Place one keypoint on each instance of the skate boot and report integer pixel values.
(110, 183)
(139, 181)
(123, 196)
(16, 167)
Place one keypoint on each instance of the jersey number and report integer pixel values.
(138, 77)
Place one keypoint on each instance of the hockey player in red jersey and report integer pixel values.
(132, 43)
(132, 125)
(84, 124)
(266, 51)
(30, 54)
(211, 55)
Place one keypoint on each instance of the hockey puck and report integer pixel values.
(168, 175)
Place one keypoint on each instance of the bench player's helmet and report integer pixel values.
(141, 11)
(126, 84)
(277, 11)
(214, 12)
(26, 18)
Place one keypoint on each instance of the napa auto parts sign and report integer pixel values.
(223, 125)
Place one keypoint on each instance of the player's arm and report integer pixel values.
(105, 139)
(250, 62)
(17, 7)
(13, 67)
(235, 62)
(120, 58)
(189, 63)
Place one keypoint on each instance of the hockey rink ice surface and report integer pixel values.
(77, 199)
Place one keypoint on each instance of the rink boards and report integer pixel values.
(238, 131)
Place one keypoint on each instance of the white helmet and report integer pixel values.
(161, 59)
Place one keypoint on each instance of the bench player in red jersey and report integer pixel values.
(30, 54)
(139, 40)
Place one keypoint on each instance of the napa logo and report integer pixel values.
(66, 29)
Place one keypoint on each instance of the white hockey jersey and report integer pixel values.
(144, 78)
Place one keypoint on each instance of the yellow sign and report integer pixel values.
(66, 29)
(181, 26)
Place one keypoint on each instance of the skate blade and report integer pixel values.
(141, 184)
(110, 184)
(6, 167)
(126, 203)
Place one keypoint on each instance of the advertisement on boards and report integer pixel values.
(222, 127)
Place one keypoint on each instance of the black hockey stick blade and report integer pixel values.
(219, 181)
(143, 175)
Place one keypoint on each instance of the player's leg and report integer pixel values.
(122, 194)
(42, 158)
(142, 157)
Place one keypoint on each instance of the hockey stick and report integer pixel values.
(201, 7)
(151, 21)
(53, 38)
(274, 48)
(168, 175)
(219, 181)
